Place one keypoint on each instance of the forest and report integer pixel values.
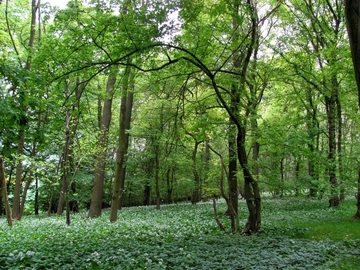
(153, 104)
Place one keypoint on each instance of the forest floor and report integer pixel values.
(297, 233)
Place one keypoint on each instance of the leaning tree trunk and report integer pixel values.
(223, 173)
(99, 174)
(251, 188)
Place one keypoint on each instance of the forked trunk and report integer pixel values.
(252, 194)
(99, 174)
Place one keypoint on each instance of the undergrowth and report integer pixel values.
(296, 234)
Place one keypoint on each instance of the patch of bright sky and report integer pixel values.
(58, 3)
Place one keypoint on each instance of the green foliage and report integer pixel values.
(185, 237)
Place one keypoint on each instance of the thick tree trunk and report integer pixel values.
(120, 171)
(170, 177)
(331, 118)
(35, 5)
(233, 204)
(352, 14)
(352, 11)
(252, 193)
(3, 191)
(1, 203)
(147, 193)
(99, 174)
(129, 106)
(357, 214)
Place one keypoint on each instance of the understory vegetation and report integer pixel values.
(297, 233)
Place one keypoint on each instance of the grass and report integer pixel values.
(296, 234)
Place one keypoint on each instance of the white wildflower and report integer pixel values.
(30, 253)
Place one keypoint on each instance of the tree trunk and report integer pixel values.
(18, 177)
(129, 106)
(71, 123)
(157, 180)
(331, 118)
(339, 147)
(223, 172)
(232, 210)
(99, 174)
(357, 214)
(3, 192)
(119, 182)
(196, 196)
(35, 5)
(1, 202)
(170, 176)
(352, 11)
(312, 125)
(147, 194)
(36, 203)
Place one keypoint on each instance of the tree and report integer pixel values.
(3, 192)
(352, 11)
(104, 125)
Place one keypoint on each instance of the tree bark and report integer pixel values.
(357, 214)
(223, 172)
(331, 117)
(3, 192)
(196, 196)
(71, 124)
(35, 5)
(120, 171)
(352, 14)
(129, 106)
(103, 137)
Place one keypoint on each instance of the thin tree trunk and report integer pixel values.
(157, 180)
(99, 174)
(339, 148)
(71, 124)
(36, 203)
(223, 172)
(3, 191)
(196, 192)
